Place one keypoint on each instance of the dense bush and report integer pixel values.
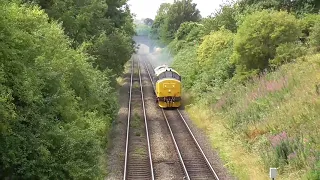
(315, 36)
(143, 30)
(189, 34)
(225, 17)
(214, 75)
(212, 44)
(185, 62)
(287, 52)
(81, 21)
(99, 23)
(187, 31)
(110, 55)
(55, 108)
(207, 66)
(295, 7)
(307, 22)
(169, 18)
(258, 37)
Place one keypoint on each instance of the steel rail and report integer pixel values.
(128, 124)
(200, 149)
(171, 133)
(190, 132)
(146, 124)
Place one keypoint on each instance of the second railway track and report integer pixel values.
(193, 160)
(138, 159)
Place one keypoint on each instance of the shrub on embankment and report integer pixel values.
(55, 108)
(260, 83)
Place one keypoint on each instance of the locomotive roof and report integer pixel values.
(160, 69)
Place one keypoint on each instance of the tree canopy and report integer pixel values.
(58, 63)
(170, 16)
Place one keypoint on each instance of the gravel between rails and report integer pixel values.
(165, 160)
(210, 153)
(138, 164)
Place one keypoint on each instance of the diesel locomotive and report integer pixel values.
(167, 87)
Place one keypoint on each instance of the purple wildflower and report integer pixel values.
(292, 155)
(277, 139)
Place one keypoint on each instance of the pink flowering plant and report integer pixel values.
(282, 150)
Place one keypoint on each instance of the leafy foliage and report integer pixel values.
(89, 21)
(297, 6)
(213, 44)
(225, 17)
(308, 21)
(247, 65)
(171, 16)
(109, 54)
(315, 36)
(143, 26)
(159, 20)
(288, 52)
(258, 37)
(56, 108)
(189, 34)
(148, 21)
(81, 20)
(186, 65)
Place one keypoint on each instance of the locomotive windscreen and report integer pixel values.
(169, 74)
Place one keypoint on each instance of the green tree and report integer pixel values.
(120, 15)
(82, 20)
(148, 21)
(110, 55)
(258, 37)
(307, 22)
(189, 34)
(224, 17)
(213, 56)
(159, 20)
(297, 6)
(179, 12)
(88, 21)
(55, 108)
(213, 44)
(186, 64)
(170, 16)
(315, 36)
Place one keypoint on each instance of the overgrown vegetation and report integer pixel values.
(169, 18)
(143, 26)
(253, 69)
(58, 60)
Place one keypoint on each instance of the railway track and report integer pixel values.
(192, 158)
(138, 158)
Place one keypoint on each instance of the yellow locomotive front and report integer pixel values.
(168, 87)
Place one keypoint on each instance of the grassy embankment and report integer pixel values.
(281, 111)
(256, 119)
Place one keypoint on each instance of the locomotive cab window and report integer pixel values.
(169, 74)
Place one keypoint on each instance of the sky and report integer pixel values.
(148, 8)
